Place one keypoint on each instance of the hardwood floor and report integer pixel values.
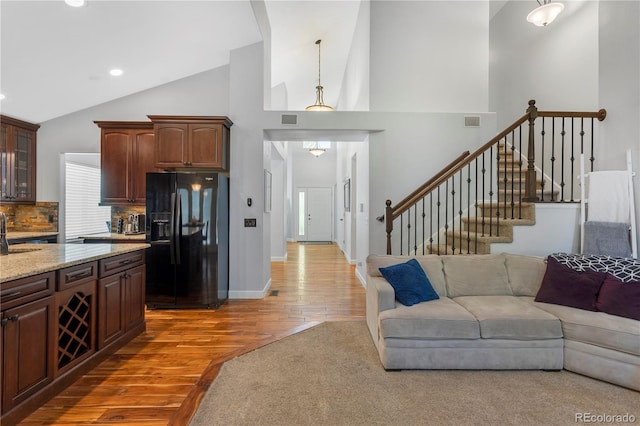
(160, 376)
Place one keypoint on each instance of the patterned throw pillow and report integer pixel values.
(624, 269)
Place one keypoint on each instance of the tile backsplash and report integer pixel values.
(123, 212)
(41, 216)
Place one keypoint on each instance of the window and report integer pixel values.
(82, 214)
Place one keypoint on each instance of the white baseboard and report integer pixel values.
(243, 294)
(279, 258)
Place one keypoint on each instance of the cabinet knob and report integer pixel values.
(4, 321)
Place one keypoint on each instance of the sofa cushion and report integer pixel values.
(618, 298)
(438, 319)
(508, 317)
(525, 273)
(562, 285)
(480, 275)
(595, 328)
(409, 283)
(431, 265)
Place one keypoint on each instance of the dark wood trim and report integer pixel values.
(190, 119)
(124, 124)
(15, 122)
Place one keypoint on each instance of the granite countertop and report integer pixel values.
(17, 235)
(30, 259)
(114, 236)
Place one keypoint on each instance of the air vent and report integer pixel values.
(289, 119)
(471, 121)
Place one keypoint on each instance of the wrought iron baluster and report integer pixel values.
(446, 215)
(573, 158)
(460, 210)
(469, 207)
(409, 230)
(592, 158)
(484, 171)
(553, 157)
(453, 220)
(423, 225)
(520, 174)
(543, 179)
(513, 168)
(431, 222)
(438, 222)
(415, 229)
(491, 194)
(562, 183)
(475, 238)
(401, 232)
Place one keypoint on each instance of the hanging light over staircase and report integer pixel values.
(544, 14)
(319, 104)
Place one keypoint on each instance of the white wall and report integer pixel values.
(556, 65)
(278, 215)
(354, 93)
(429, 56)
(206, 93)
(249, 247)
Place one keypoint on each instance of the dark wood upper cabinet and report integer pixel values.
(126, 155)
(191, 142)
(17, 161)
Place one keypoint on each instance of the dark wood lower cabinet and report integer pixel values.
(28, 342)
(121, 304)
(58, 326)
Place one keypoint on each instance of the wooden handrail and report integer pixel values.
(600, 114)
(411, 199)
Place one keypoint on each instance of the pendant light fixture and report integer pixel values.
(544, 14)
(319, 105)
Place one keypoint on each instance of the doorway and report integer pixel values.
(315, 214)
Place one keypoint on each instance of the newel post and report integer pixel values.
(388, 217)
(530, 175)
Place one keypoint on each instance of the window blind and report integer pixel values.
(83, 215)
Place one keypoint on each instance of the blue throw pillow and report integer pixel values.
(410, 283)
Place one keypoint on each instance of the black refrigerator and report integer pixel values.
(187, 226)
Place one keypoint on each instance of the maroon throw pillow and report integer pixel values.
(562, 285)
(618, 298)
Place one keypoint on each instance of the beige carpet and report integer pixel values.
(331, 375)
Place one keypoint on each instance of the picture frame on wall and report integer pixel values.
(267, 191)
(347, 195)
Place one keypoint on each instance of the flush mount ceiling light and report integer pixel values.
(315, 150)
(75, 3)
(1, 96)
(545, 14)
(319, 105)
(116, 72)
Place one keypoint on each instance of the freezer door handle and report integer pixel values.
(172, 236)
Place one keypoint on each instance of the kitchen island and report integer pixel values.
(64, 308)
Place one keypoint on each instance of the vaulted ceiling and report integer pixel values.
(55, 59)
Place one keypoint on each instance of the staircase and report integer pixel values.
(478, 198)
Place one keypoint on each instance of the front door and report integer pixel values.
(315, 214)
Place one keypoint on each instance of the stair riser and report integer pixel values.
(489, 228)
(482, 249)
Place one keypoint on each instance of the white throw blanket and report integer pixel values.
(608, 196)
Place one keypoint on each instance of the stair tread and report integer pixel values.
(502, 221)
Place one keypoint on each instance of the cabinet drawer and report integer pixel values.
(17, 292)
(76, 275)
(115, 264)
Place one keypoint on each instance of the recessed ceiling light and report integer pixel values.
(76, 3)
(1, 96)
(116, 72)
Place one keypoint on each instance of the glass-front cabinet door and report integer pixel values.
(18, 161)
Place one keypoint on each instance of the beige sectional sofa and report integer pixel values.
(486, 318)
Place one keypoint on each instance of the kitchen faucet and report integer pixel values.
(4, 244)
